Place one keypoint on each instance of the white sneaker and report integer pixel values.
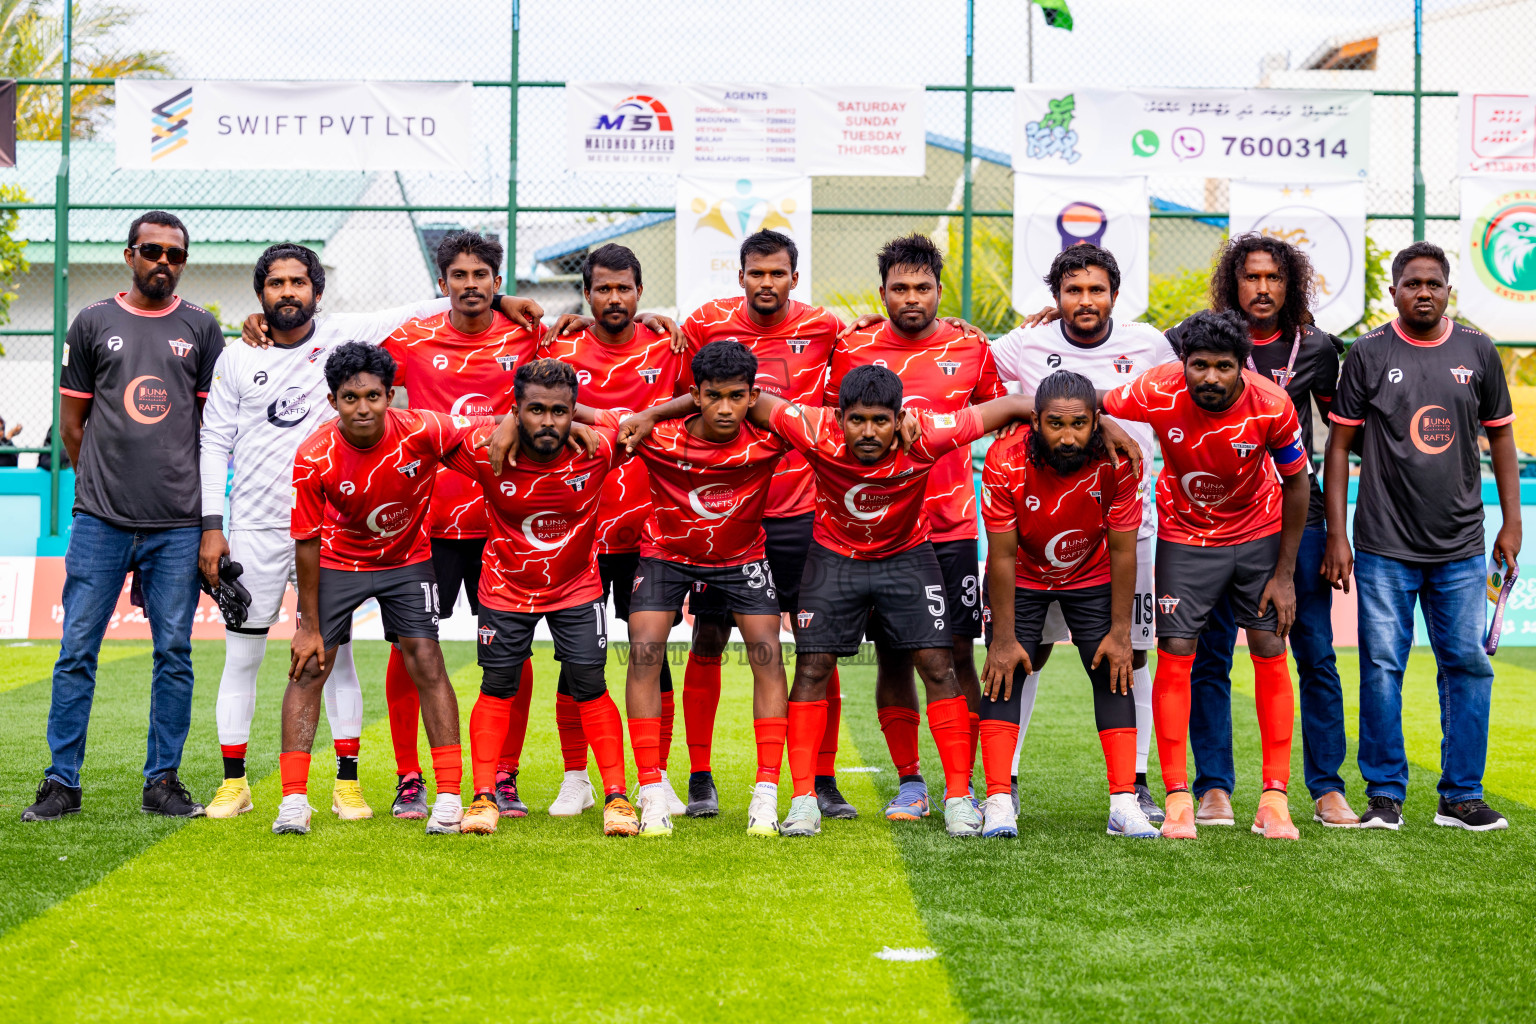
(1001, 821)
(574, 797)
(804, 818)
(293, 815)
(447, 813)
(763, 811)
(655, 815)
(674, 805)
(1131, 822)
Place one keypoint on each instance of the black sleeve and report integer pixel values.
(1353, 397)
(1325, 381)
(79, 372)
(210, 345)
(1494, 408)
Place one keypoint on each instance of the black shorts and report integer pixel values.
(960, 562)
(1085, 609)
(1190, 580)
(407, 599)
(457, 563)
(899, 600)
(786, 543)
(662, 586)
(617, 572)
(506, 638)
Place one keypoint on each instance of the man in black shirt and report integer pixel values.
(136, 370)
(1270, 282)
(1419, 388)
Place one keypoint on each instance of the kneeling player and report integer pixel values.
(361, 486)
(539, 563)
(1061, 528)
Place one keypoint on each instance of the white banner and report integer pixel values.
(1265, 134)
(1051, 213)
(715, 213)
(322, 126)
(1325, 220)
(712, 128)
(1498, 133)
(1496, 288)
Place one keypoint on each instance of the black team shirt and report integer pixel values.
(144, 373)
(1419, 405)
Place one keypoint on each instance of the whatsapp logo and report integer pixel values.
(1145, 143)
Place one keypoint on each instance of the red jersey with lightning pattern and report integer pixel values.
(1218, 485)
(626, 379)
(707, 498)
(1063, 522)
(445, 370)
(943, 373)
(791, 363)
(369, 506)
(543, 518)
(870, 512)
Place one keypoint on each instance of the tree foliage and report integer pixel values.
(13, 259)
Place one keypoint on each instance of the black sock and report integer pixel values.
(234, 767)
(610, 798)
(1141, 778)
(903, 780)
(346, 769)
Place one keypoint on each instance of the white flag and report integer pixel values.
(1051, 213)
(1496, 288)
(714, 214)
(1325, 220)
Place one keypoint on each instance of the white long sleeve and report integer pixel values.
(216, 440)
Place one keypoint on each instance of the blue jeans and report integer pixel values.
(1322, 698)
(1455, 604)
(98, 559)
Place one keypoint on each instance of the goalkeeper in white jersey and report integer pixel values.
(265, 400)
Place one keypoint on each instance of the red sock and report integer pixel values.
(1277, 711)
(1119, 759)
(970, 765)
(998, 739)
(806, 723)
(232, 750)
(517, 725)
(950, 722)
(488, 724)
(347, 748)
(664, 741)
(294, 766)
(448, 768)
(601, 724)
(573, 741)
(900, 727)
(645, 741)
(1170, 716)
(770, 747)
(404, 711)
(826, 757)
(701, 699)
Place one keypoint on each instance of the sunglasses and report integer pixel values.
(152, 251)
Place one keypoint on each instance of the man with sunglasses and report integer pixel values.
(137, 368)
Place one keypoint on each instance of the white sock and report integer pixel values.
(1141, 692)
(650, 787)
(236, 704)
(1026, 708)
(1122, 802)
(769, 789)
(578, 776)
(344, 697)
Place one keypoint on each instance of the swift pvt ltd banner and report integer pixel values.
(327, 126)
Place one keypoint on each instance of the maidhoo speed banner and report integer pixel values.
(714, 214)
(1052, 213)
(1325, 220)
(1265, 134)
(168, 124)
(1496, 286)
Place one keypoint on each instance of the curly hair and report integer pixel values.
(355, 357)
(1295, 268)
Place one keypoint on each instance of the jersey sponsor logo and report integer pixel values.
(1053, 360)
(1123, 364)
(1462, 374)
(348, 487)
(315, 352)
(1395, 375)
(1067, 548)
(507, 363)
(410, 469)
(1433, 431)
(289, 408)
(547, 531)
(508, 488)
(180, 346)
(583, 377)
(864, 503)
(260, 378)
(147, 400)
(1167, 604)
(1283, 376)
(579, 483)
(944, 420)
(949, 366)
(1243, 448)
(472, 404)
(115, 343)
(440, 362)
(804, 618)
(1204, 488)
(389, 519)
(1175, 434)
(487, 635)
(650, 374)
(1032, 503)
(713, 501)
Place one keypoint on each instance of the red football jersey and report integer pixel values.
(627, 379)
(791, 363)
(445, 370)
(1063, 522)
(543, 518)
(943, 373)
(1218, 485)
(870, 512)
(707, 499)
(369, 506)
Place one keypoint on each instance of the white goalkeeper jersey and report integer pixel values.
(265, 402)
(1026, 356)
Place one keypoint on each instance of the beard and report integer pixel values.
(157, 283)
(287, 318)
(1212, 399)
(1065, 459)
(546, 442)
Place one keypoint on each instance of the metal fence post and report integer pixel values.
(512, 94)
(1418, 120)
(970, 96)
(60, 270)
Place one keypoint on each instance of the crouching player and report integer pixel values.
(539, 563)
(1061, 528)
(361, 486)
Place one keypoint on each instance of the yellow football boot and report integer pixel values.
(233, 798)
(347, 801)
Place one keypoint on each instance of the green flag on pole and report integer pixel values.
(1057, 14)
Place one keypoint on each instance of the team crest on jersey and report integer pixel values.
(579, 483)
(949, 366)
(1167, 604)
(487, 635)
(699, 586)
(440, 362)
(410, 468)
(650, 374)
(261, 377)
(314, 353)
(1462, 374)
(347, 487)
(804, 618)
(1123, 364)
(1096, 495)
(1053, 360)
(1243, 448)
(181, 347)
(1283, 376)
(507, 363)
(903, 473)
(797, 346)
